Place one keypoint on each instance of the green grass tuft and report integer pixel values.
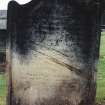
(3, 90)
(101, 72)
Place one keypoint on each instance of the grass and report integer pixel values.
(100, 80)
(3, 89)
(101, 72)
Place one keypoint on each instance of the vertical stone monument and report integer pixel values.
(54, 50)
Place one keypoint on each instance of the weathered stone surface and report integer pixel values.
(54, 52)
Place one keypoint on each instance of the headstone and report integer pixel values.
(54, 50)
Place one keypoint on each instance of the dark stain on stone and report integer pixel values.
(29, 27)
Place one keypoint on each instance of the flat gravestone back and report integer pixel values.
(54, 49)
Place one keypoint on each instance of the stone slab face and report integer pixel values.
(54, 47)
